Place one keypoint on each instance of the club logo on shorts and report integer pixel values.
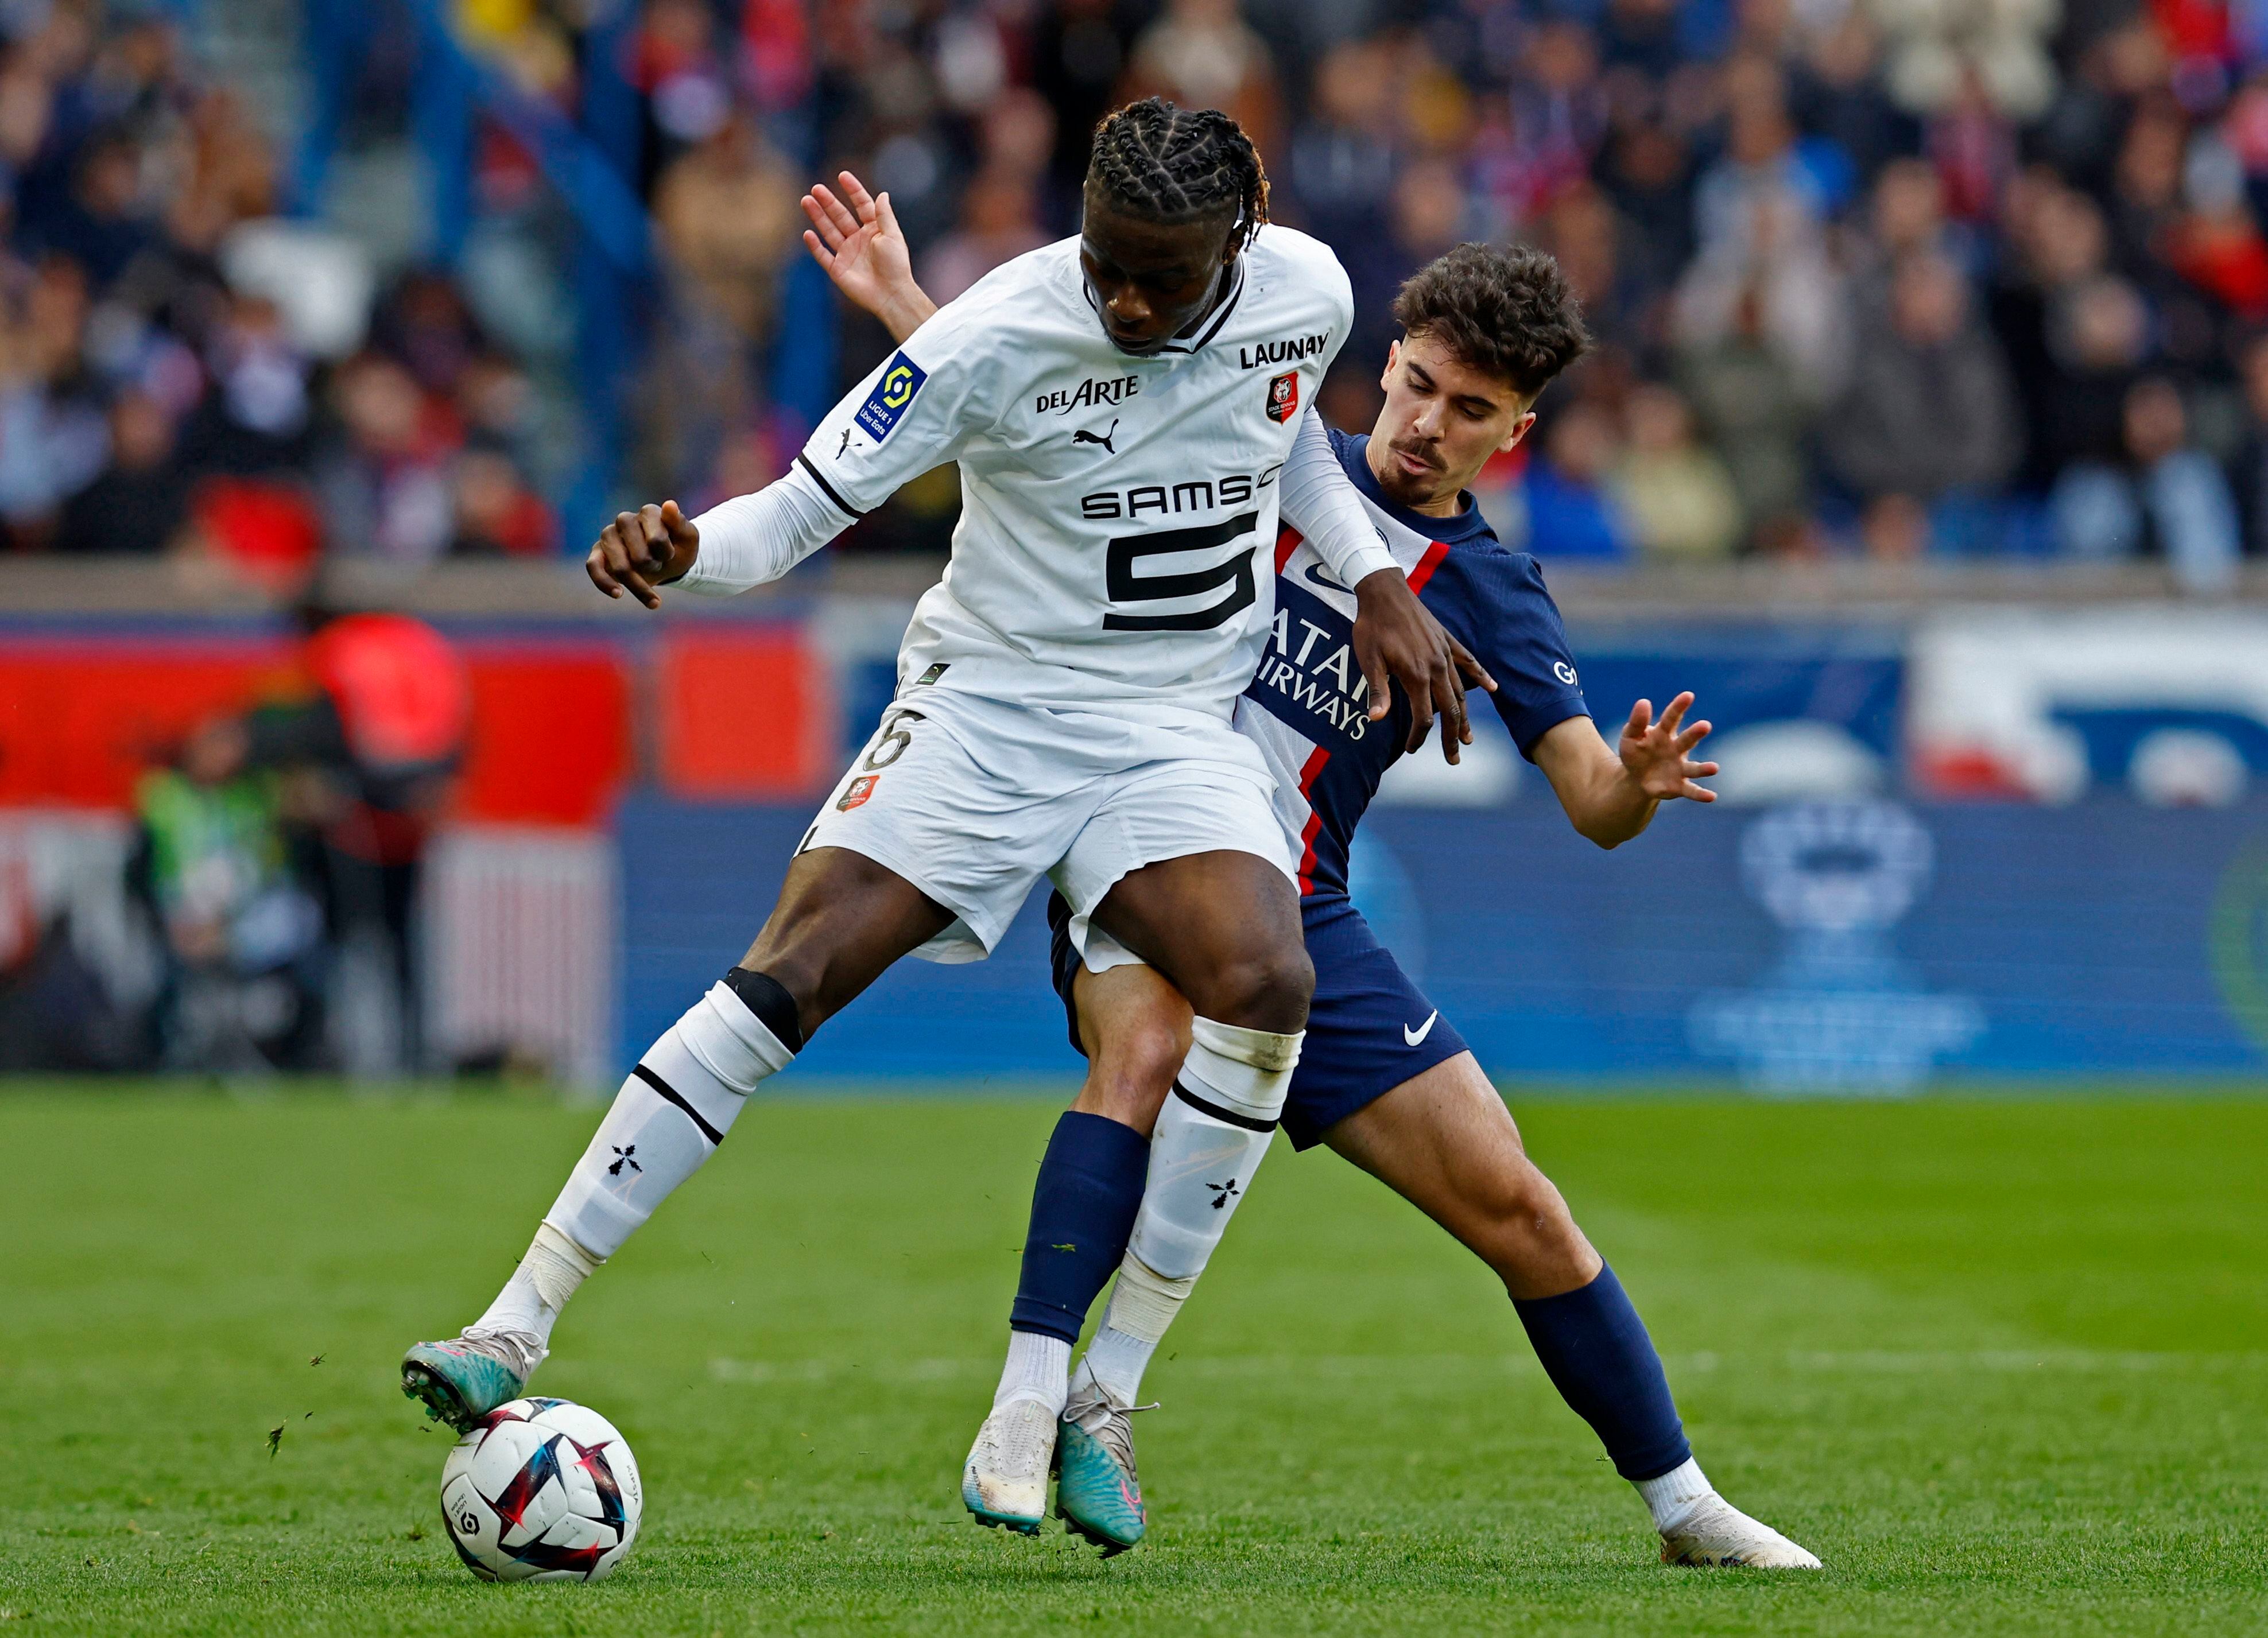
(1284, 396)
(902, 379)
(861, 788)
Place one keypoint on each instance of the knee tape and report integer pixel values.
(1247, 1072)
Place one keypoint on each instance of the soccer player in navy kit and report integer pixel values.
(1384, 1079)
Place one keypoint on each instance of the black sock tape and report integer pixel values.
(774, 1007)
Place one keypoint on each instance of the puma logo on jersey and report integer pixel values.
(844, 445)
(1283, 352)
(1082, 436)
(1416, 1037)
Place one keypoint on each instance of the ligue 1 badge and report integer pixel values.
(1284, 396)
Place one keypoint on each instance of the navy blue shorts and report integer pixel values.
(1369, 1028)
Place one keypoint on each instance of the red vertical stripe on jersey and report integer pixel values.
(1426, 565)
(1287, 541)
(1307, 832)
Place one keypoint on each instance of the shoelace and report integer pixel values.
(525, 1355)
(1112, 1432)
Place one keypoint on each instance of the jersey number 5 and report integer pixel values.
(1125, 586)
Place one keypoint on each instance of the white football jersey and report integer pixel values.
(1117, 512)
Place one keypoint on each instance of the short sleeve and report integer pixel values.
(1320, 267)
(1514, 630)
(917, 410)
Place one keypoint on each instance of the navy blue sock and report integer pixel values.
(1596, 1352)
(1083, 1211)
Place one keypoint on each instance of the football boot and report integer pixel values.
(1005, 1481)
(1717, 1534)
(1098, 1493)
(462, 1380)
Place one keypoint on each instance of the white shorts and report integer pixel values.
(973, 800)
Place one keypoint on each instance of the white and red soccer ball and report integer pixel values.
(541, 1490)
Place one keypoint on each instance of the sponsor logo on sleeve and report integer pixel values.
(1284, 396)
(1563, 671)
(861, 788)
(885, 405)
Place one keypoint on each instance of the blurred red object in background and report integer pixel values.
(269, 532)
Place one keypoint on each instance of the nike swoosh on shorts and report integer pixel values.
(1416, 1037)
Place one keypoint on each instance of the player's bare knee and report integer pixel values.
(1130, 1068)
(1527, 1225)
(1263, 990)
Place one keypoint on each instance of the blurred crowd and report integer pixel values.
(166, 383)
(1880, 276)
(1891, 277)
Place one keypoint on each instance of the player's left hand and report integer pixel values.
(1659, 754)
(856, 237)
(1397, 640)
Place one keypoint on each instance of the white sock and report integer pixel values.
(530, 1302)
(1142, 1304)
(1210, 1136)
(1672, 1497)
(1038, 1368)
(668, 1119)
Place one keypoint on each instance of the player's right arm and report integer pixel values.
(913, 414)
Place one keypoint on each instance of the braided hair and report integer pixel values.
(1180, 165)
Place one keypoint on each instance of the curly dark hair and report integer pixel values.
(1508, 314)
(1180, 165)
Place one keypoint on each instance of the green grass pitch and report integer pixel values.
(2003, 1364)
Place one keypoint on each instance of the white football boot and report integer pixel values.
(1005, 1482)
(1716, 1533)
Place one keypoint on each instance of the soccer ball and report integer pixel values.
(541, 1490)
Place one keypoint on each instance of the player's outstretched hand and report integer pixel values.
(1396, 638)
(855, 236)
(1658, 755)
(642, 551)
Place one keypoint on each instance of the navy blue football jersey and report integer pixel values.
(1308, 705)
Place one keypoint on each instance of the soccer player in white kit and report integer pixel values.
(1128, 410)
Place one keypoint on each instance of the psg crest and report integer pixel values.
(1284, 396)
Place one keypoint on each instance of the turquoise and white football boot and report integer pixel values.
(462, 1380)
(1098, 1494)
(1005, 1483)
